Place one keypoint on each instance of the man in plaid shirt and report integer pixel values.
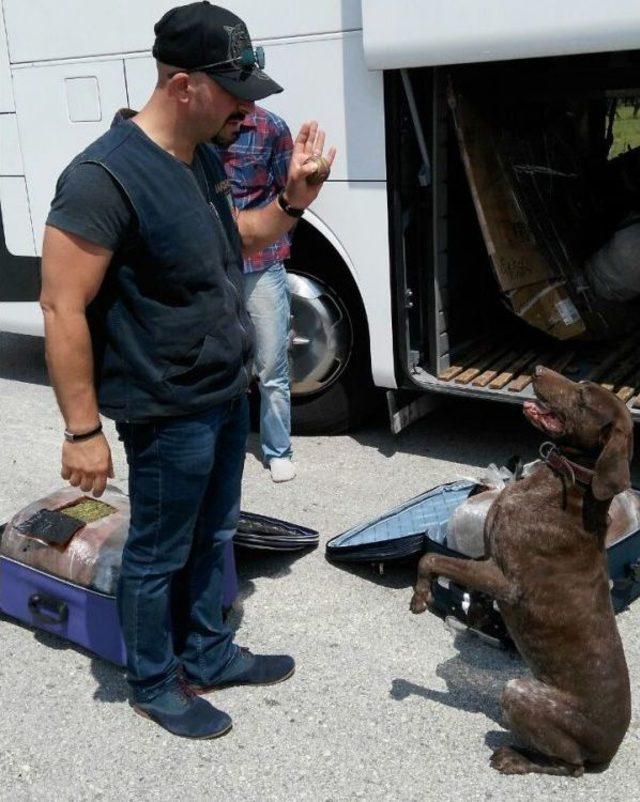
(257, 163)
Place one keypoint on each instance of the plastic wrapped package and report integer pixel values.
(90, 556)
(614, 271)
(80, 539)
(465, 528)
(624, 515)
(60, 562)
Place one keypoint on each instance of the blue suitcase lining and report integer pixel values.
(401, 531)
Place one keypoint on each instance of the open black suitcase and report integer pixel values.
(419, 526)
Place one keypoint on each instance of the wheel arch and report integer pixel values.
(315, 244)
(312, 220)
(352, 399)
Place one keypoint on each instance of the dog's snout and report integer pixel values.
(539, 370)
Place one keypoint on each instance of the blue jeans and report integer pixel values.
(184, 487)
(267, 298)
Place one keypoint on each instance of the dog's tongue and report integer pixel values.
(542, 416)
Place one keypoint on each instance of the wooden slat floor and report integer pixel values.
(484, 365)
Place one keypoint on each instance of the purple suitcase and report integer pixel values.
(81, 615)
(74, 610)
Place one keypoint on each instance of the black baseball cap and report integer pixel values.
(200, 37)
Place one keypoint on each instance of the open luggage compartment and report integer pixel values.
(463, 334)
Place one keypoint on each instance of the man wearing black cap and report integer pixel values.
(145, 323)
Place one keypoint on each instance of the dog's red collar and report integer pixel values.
(555, 459)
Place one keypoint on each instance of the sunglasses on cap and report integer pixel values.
(247, 60)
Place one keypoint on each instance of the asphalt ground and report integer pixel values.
(384, 705)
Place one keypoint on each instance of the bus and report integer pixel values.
(394, 278)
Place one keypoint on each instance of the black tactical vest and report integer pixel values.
(170, 332)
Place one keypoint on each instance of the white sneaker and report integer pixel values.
(282, 469)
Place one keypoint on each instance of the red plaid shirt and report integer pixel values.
(257, 164)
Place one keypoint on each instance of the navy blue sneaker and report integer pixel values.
(179, 710)
(251, 669)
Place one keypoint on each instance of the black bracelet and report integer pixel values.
(292, 211)
(70, 437)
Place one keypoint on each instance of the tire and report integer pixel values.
(336, 394)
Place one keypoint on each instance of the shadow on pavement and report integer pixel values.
(48, 639)
(494, 739)
(462, 430)
(112, 685)
(252, 564)
(468, 431)
(253, 446)
(474, 678)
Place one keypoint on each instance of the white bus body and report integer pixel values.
(67, 65)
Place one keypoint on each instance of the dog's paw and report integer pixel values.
(420, 602)
(507, 761)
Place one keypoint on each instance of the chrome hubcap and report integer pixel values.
(321, 335)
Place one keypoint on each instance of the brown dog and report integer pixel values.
(546, 568)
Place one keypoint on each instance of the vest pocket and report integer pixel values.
(213, 361)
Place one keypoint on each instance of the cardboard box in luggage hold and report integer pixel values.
(533, 289)
(69, 588)
(548, 307)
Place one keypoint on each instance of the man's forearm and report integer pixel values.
(70, 363)
(262, 227)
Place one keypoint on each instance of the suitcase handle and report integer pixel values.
(48, 610)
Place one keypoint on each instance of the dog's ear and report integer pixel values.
(611, 475)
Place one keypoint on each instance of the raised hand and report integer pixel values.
(309, 166)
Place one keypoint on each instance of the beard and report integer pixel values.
(227, 136)
(223, 139)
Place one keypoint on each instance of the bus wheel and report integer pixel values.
(331, 386)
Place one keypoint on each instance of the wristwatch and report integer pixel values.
(70, 437)
(292, 211)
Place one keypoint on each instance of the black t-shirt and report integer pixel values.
(90, 203)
